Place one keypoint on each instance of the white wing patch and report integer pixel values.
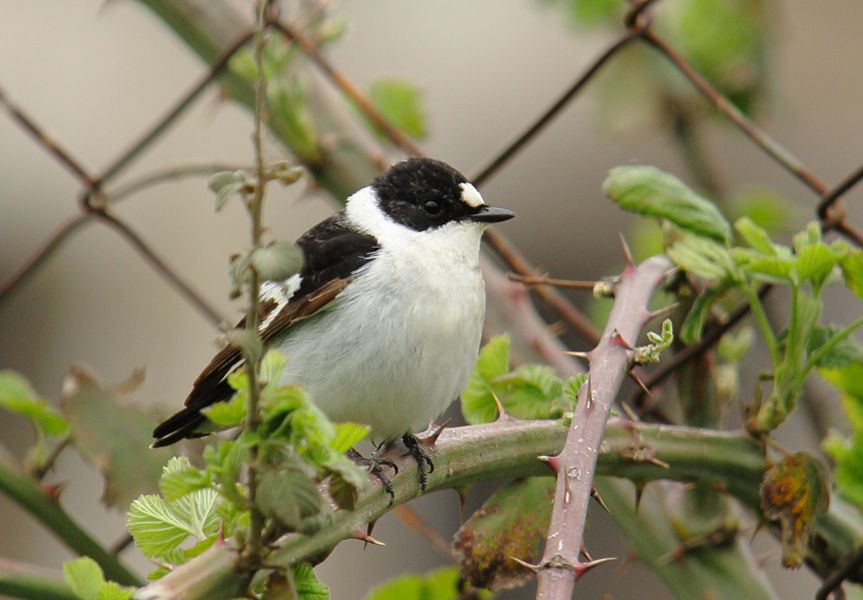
(471, 196)
(281, 292)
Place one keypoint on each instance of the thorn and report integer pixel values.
(582, 568)
(627, 254)
(663, 312)
(639, 492)
(585, 356)
(462, 499)
(585, 554)
(652, 460)
(629, 411)
(526, 565)
(371, 526)
(366, 539)
(595, 495)
(641, 384)
(617, 340)
(553, 462)
(53, 490)
(430, 439)
(756, 530)
(501, 411)
(556, 329)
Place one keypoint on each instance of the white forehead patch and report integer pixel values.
(471, 196)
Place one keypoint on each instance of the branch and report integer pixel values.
(575, 464)
(29, 496)
(21, 580)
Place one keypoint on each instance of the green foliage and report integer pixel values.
(307, 585)
(510, 524)
(847, 451)
(277, 260)
(646, 190)
(649, 354)
(400, 102)
(440, 584)
(86, 580)
(529, 392)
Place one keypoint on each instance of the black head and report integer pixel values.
(422, 193)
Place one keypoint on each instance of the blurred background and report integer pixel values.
(96, 74)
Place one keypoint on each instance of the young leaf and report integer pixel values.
(649, 354)
(17, 396)
(477, 401)
(795, 491)
(703, 257)
(348, 435)
(648, 191)
(277, 261)
(104, 430)
(228, 184)
(159, 526)
(227, 414)
(179, 478)
(510, 524)
(852, 271)
(86, 580)
(400, 103)
(693, 324)
(287, 493)
(845, 353)
(307, 585)
(441, 584)
(814, 263)
(847, 453)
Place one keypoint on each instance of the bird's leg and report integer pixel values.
(424, 461)
(376, 466)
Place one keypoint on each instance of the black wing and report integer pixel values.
(333, 251)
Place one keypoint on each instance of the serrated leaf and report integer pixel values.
(477, 401)
(227, 414)
(814, 263)
(400, 103)
(84, 577)
(510, 524)
(288, 493)
(229, 184)
(755, 236)
(348, 435)
(572, 387)
(159, 526)
(277, 261)
(852, 271)
(179, 478)
(440, 584)
(776, 268)
(531, 392)
(113, 591)
(795, 491)
(17, 396)
(702, 257)
(307, 584)
(104, 430)
(648, 191)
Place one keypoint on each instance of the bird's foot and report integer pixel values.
(376, 466)
(424, 461)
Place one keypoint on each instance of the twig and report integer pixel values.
(575, 464)
(835, 580)
(22, 580)
(42, 469)
(830, 197)
(541, 280)
(418, 525)
(121, 544)
(162, 175)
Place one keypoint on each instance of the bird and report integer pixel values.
(383, 323)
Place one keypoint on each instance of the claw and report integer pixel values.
(425, 466)
(376, 466)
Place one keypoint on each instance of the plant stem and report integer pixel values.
(763, 323)
(29, 496)
(828, 347)
(20, 580)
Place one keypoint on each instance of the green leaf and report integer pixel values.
(288, 493)
(766, 209)
(400, 103)
(572, 387)
(307, 584)
(592, 12)
(648, 191)
(441, 584)
(348, 435)
(477, 401)
(847, 453)
(227, 414)
(814, 263)
(846, 352)
(347, 481)
(650, 353)
(693, 324)
(775, 269)
(104, 430)
(85, 579)
(229, 184)
(179, 478)
(733, 346)
(755, 236)
(17, 396)
(703, 257)
(277, 261)
(794, 492)
(849, 381)
(510, 524)
(852, 271)
(159, 526)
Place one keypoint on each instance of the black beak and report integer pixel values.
(492, 214)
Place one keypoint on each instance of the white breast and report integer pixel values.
(399, 345)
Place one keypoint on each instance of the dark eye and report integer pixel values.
(432, 207)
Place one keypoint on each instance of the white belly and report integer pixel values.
(393, 356)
